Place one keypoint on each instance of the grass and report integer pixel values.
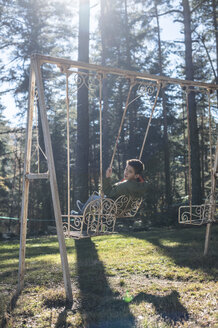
(155, 279)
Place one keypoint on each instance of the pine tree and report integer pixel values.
(82, 153)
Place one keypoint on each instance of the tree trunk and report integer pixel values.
(82, 150)
(105, 119)
(184, 153)
(202, 155)
(194, 139)
(132, 111)
(168, 191)
(215, 24)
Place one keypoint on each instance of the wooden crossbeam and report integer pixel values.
(34, 176)
(213, 188)
(125, 73)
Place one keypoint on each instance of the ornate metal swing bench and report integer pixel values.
(196, 214)
(99, 216)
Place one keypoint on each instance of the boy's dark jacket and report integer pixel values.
(129, 188)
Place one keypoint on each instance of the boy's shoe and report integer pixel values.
(80, 205)
(74, 212)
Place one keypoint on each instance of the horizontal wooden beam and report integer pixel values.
(68, 63)
(34, 176)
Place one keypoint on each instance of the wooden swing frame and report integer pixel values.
(99, 217)
(37, 61)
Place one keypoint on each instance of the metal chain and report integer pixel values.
(132, 83)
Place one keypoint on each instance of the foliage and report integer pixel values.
(129, 35)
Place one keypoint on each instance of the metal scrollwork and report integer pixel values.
(90, 81)
(198, 214)
(80, 79)
(100, 216)
(127, 206)
(65, 228)
(146, 89)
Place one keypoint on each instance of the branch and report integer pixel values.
(6, 91)
(13, 19)
(9, 45)
(13, 131)
(178, 21)
(177, 41)
(198, 5)
(17, 57)
(11, 152)
(208, 54)
(170, 12)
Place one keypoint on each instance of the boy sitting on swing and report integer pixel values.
(132, 184)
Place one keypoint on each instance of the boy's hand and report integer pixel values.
(109, 172)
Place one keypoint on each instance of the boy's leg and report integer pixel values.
(91, 198)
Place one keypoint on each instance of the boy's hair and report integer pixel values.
(136, 164)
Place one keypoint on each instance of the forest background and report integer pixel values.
(125, 34)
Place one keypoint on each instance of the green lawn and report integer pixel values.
(149, 279)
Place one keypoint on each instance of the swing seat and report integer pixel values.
(99, 216)
(195, 214)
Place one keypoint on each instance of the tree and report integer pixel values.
(5, 165)
(215, 24)
(82, 153)
(105, 34)
(35, 27)
(168, 191)
(194, 139)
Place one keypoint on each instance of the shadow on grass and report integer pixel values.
(188, 248)
(100, 307)
(168, 307)
(98, 304)
(10, 307)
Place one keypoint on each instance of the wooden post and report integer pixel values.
(25, 192)
(53, 180)
(207, 238)
(68, 154)
(212, 201)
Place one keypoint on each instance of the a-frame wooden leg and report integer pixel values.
(25, 192)
(207, 238)
(212, 200)
(53, 180)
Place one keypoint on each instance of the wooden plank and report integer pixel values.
(25, 192)
(213, 190)
(53, 182)
(126, 73)
(33, 176)
(207, 238)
